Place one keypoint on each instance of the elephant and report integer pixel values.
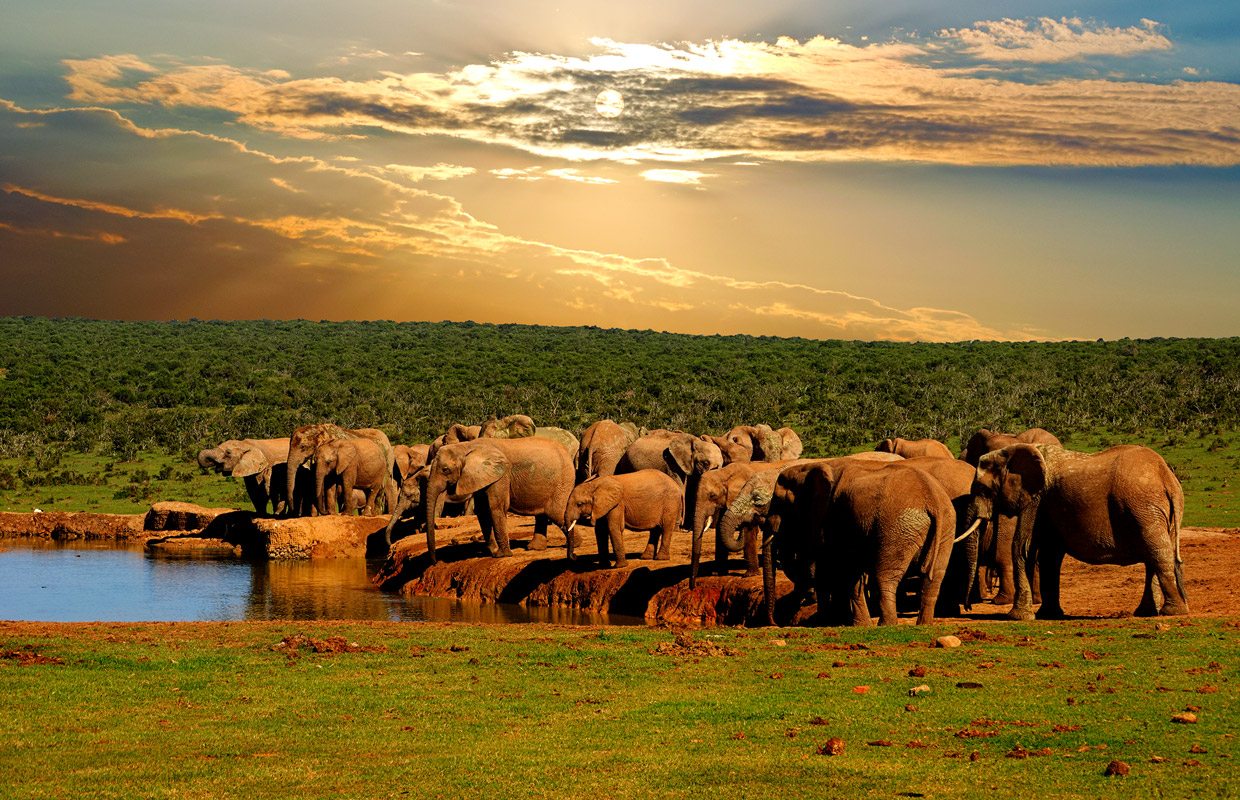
(602, 446)
(646, 500)
(259, 462)
(528, 475)
(561, 437)
(987, 441)
(716, 489)
(912, 448)
(956, 478)
(995, 544)
(747, 510)
(350, 464)
(306, 440)
(682, 455)
(408, 459)
(762, 443)
(513, 426)
(1123, 506)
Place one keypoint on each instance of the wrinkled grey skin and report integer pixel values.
(1123, 505)
(260, 463)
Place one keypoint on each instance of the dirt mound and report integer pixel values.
(292, 646)
(73, 525)
(27, 657)
(686, 646)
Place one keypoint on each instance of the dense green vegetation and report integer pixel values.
(144, 390)
(430, 710)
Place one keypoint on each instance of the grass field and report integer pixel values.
(430, 710)
(1206, 464)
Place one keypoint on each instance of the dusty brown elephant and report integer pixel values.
(306, 439)
(715, 491)
(602, 446)
(834, 521)
(956, 478)
(987, 441)
(258, 462)
(528, 476)
(763, 443)
(349, 464)
(513, 426)
(647, 500)
(914, 448)
(1123, 506)
(408, 459)
(681, 455)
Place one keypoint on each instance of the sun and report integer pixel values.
(609, 103)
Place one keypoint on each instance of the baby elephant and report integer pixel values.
(646, 500)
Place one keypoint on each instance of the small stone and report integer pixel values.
(832, 747)
(917, 672)
(910, 707)
(947, 641)
(1117, 767)
(1192, 762)
(861, 690)
(1185, 718)
(1197, 749)
(1157, 760)
(916, 690)
(779, 642)
(975, 756)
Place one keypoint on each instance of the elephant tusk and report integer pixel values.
(571, 525)
(707, 526)
(969, 532)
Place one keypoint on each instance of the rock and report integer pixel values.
(917, 672)
(176, 516)
(332, 536)
(72, 525)
(947, 641)
(1117, 767)
(1185, 718)
(916, 690)
(195, 545)
(832, 747)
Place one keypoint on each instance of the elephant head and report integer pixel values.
(688, 455)
(513, 426)
(748, 509)
(983, 442)
(1009, 481)
(330, 461)
(458, 471)
(409, 502)
(461, 433)
(235, 457)
(302, 446)
(732, 452)
(760, 441)
(408, 460)
(790, 444)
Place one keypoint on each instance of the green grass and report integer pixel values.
(192, 710)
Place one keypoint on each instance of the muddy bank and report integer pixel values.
(73, 525)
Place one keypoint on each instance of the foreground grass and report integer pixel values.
(211, 710)
(1206, 465)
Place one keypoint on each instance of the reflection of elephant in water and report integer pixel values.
(1120, 506)
(529, 476)
(602, 446)
(762, 443)
(259, 462)
(349, 464)
(912, 448)
(307, 439)
(647, 500)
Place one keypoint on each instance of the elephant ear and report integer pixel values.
(1026, 463)
(820, 484)
(513, 426)
(251, 462)
(483, 466)
(460, 433)
(679, 456)
(886, 446)
(769, 442)
(791, 443)
(607, 495)
(762, 494)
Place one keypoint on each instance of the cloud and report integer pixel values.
(438, 172)
(571, 174)
(146, 232)
(684, 177)
(967, 97)
(1048, 40)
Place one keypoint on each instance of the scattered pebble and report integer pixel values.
(832, 747)
(917, 672)
(1117, 767)
(1185, 718)
(916, 690)
(947, 641)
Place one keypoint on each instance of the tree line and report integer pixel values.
(122, 387)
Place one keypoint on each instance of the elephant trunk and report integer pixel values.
(970, 554)
(701, 517)
(432, 500)
(210, 459)
(295, 459)
(768, 580)
(729, 531)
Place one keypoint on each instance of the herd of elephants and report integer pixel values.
(846, 531)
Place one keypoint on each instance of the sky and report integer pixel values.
(857, 170)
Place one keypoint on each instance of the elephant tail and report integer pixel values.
(1174, 518)
(930, 553)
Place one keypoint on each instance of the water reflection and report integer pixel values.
(80, 581)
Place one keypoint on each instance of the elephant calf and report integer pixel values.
(646, 500)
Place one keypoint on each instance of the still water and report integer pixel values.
(86, 582)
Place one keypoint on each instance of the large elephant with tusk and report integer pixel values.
(308, 438)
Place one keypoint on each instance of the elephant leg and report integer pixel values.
(615, 526)
(602, 537)
(257, 494)
(1148, 607)
(1022, 605)
(497, 505)
(668, 525)
(721, 552)
(487, 525)
(539, 541)
(1049, 566)
(857, 602)
(651, 544)
(1171, 582)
